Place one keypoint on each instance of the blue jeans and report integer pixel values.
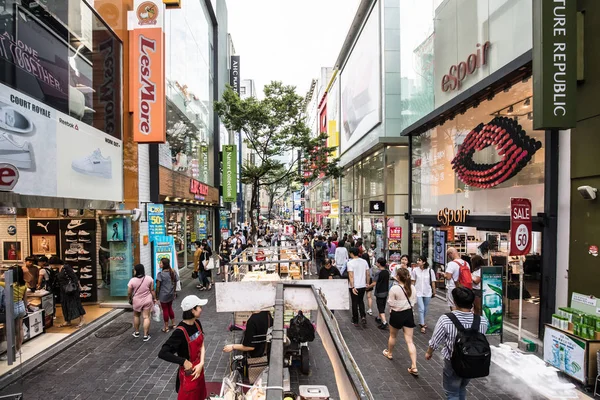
(455, 387)
(423, 303)
(203, 277)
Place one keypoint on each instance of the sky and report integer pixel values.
(288, 40)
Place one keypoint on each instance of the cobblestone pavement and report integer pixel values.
(123, 367)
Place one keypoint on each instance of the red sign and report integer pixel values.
(198, 189)
(9, 176)
(458, 73)
(520, 227)
(395, 233)
(593, 250)
(326, 208)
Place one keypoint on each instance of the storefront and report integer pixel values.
(474, 148)
(61, 147)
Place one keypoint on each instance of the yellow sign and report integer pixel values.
(335, 209)
(449, 217)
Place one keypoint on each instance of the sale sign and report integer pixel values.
(520, 226)
(395, 233)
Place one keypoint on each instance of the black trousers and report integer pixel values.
(358, 304)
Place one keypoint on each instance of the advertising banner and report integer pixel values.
(565, 352)
(147, 100)
(554, 64)
(492, 298)
(202, 220)
(520, 227)
(394, 241)
(121, 267)
(115, 231)
(229, 173)
(439, 247)
(164, 247)
(156, 221)
(224, 222)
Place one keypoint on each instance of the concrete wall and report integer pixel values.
(584, 269)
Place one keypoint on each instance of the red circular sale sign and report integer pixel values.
(520, 227)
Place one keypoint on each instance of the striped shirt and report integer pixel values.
(445, 332)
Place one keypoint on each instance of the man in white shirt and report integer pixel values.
(451, 274)
(358, 279)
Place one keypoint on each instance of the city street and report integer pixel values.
(122, 367)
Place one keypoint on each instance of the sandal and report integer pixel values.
(387, 355)
(423, 328)
(165, 330)
(65, 325)
(413, 371)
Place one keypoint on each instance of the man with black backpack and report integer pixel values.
(466, 351)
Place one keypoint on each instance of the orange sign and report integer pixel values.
(148, 86)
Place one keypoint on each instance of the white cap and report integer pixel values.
(192, 301)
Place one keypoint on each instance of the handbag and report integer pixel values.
(255, 366)
(210, 265)
(195, 275)
(70, 288)
(133, 294)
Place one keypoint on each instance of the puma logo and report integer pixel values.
(44, 226)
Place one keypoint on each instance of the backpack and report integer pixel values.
(319, 250)
(52, 282)
(471, 356)
(464, 275)
(301, 329)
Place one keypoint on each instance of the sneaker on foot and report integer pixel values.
(383, 326)
(370, 312)
(363, 320)
(146, 338)
(378, 320)
(136, 334)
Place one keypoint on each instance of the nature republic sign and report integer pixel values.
(230, 173)
(554, 64)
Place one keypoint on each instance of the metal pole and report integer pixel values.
(275, 379)
(10, 317)
(520, 299)
(185, 240)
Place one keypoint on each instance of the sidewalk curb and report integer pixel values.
(15, 374)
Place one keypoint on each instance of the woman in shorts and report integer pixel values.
(401, 299)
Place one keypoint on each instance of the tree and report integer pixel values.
(274, 127)
(281, 188)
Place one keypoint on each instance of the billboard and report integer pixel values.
(230, 173)
(361, 84)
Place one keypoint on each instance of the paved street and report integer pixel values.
(122, 367)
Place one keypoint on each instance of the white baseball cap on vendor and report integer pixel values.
(189, 302)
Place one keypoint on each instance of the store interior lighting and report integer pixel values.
(521, 108)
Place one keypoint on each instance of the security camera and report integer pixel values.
(587, 192)
(136, 214)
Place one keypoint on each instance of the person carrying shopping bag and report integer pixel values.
(166, 283)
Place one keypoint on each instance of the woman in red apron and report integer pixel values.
(185, 347)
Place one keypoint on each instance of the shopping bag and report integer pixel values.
(211, 264)
(156, 312)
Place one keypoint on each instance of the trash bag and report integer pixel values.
(301, 329)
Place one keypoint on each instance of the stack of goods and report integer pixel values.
(586, 326)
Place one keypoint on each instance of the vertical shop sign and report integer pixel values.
(492, 298)
(202, 220)
(156, 220)
(203, 162)
(554, 64)
(439, 247)
(234, 74)
(520, 226)
(230, 173)
(147, 100)
(394, 241)
(224, 223)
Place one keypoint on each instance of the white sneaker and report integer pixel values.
(94, 164)
(86, 288)
(83, 240)
(84, 258)
(71, 259)
(71, 240)
(370, 312)
(86, 276)
(14, 153)
(86, 269)
(71, 251)
(82, 251)
(70, 233)
(12, 120)
(84, 233)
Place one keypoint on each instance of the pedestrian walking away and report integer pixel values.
(381, 291)
(401, 300)
(423, 278)
(185, 347)
(140, 290)
(166, 282)
(358, 279)
(445, 334)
